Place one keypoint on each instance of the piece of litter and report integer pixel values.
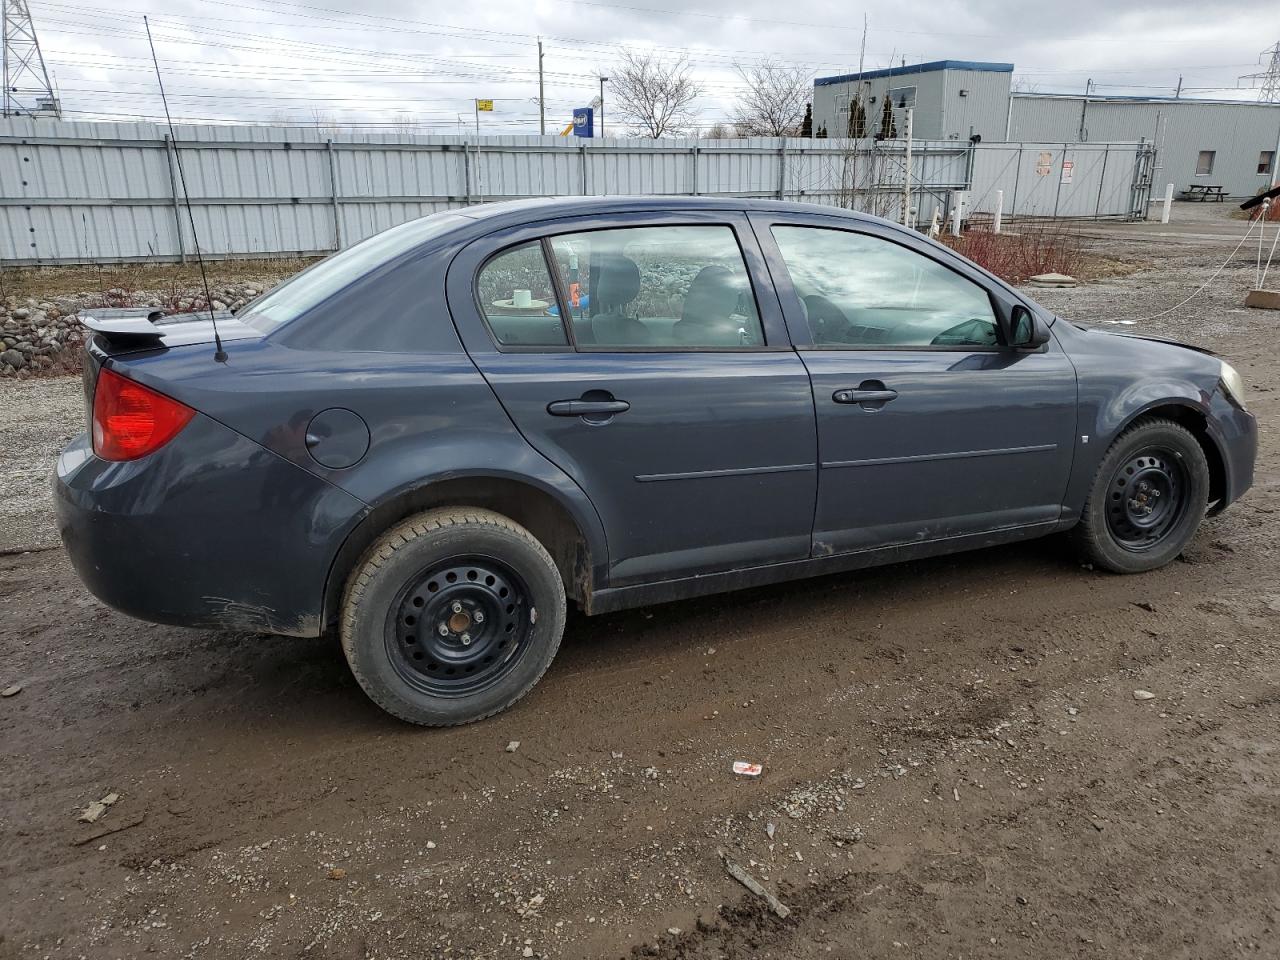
(12, 691)
(770, 828)
(674, 931)
(754, 885)
(1143, 695)
(616, 754)
(955, 793)
(93, 811)
(337, 873)
(513, 746)
(744, 769)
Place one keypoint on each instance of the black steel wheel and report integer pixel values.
(1148, 497)
(460, 626)
(452, 616)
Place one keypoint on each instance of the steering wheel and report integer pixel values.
(971, 333)
(827, 321)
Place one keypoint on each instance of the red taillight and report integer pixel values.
(130, 420)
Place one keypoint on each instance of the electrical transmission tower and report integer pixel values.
(1269, 79)
(27, 90)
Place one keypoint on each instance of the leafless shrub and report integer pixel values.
(1027, 250)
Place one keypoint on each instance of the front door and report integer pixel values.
(653, 370)
(928, 428)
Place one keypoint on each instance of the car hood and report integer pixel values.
(1149, 336)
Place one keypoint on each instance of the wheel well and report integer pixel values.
(1197, 425)
(536, 511)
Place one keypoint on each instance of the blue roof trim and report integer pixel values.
(911, 68)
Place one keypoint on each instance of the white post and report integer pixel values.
(1168, 202)
(998, 220)
(957, 202)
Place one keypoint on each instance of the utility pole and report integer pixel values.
(542, 97)
(1177, 94)
(603, 81)
(27, 90)
(1084, 109)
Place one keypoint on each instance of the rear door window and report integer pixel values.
(518, 299)
(664, 288)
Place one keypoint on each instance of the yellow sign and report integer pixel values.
(484, 105)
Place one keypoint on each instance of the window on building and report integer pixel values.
(902, 96)
(1266, 162)
(1204, 162)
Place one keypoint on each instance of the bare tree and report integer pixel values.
(654, 94)
(719, 131)
(774, 101)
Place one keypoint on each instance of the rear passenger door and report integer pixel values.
(928, 427)
(648, 358)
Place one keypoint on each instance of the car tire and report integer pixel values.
(1147, 500)
(452, 616)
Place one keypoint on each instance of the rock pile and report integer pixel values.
(44, 336)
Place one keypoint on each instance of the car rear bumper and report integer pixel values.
(212, 530)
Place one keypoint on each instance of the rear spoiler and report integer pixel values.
(123, 327)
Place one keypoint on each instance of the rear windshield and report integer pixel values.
(319, 282)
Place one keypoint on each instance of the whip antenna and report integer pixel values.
(219, 354)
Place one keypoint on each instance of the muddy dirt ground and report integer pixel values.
(955, 764)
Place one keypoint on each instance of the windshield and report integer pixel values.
(319, 282)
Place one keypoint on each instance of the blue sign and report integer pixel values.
(584, 122)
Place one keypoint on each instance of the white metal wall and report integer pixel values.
(78, 192)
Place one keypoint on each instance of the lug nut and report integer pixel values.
(457, 607)
(478, 616)
(443, 629)
(466, 639)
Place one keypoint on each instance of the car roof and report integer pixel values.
(539, 207)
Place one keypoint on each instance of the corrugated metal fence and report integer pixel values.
(80, 192)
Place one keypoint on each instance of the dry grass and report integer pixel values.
(43, 283)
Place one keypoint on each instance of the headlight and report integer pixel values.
(1233, 384)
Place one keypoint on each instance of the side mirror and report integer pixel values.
(1026, 330)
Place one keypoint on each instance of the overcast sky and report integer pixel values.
(382, 62)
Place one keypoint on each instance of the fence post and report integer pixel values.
(694, 153)
(333, 191)
(582, 154)
(998, 218)
(170, 146)
(782, 170)
(466, 171)
(1061, 169)
(957, 202)
(1168, 203)
(1102, 179)
(1017, 176)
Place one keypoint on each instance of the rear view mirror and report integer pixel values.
(1026, 330)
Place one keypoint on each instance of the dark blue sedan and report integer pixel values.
(431, 442)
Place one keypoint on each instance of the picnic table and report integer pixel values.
(1205, 191)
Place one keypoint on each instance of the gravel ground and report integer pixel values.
(955, 761)
(43, 415)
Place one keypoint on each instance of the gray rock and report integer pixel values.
(13, 358)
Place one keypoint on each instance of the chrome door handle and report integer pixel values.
(587, 408)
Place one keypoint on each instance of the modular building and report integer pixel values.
(1227, 144)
